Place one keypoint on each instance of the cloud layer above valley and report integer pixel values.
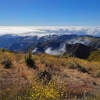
(50, 30)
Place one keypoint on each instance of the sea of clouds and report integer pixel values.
(49, 30)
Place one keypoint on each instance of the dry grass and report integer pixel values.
(22, 83)
(49, 60)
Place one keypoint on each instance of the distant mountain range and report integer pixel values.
(52, 44)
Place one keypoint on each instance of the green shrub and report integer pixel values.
(7, 63)
(3, 50)
(28, 59)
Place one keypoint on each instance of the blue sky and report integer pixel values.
(49, 12)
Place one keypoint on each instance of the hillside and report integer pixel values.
(47, 77)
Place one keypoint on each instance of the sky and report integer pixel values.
(49, 12)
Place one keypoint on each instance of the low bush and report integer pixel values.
(77, 66)
(7, 63)
(82, 69)
(41, 91)
(29, 61)
(44, 76)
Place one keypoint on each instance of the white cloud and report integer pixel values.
(86, 41)
(50, 30)
(94, 31)
(59, 51)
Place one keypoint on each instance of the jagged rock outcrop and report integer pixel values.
(79, 50)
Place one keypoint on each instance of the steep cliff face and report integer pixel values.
(79, 50)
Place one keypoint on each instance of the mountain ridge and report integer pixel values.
(24, 43)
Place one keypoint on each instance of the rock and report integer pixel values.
(79, 50)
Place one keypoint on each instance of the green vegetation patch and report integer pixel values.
(95, 56)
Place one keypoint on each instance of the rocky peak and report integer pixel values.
(79, 50)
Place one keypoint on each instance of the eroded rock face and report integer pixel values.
(79, 50)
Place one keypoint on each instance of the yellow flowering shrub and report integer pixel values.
(49, 91)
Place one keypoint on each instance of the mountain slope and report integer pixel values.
(74, 77)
